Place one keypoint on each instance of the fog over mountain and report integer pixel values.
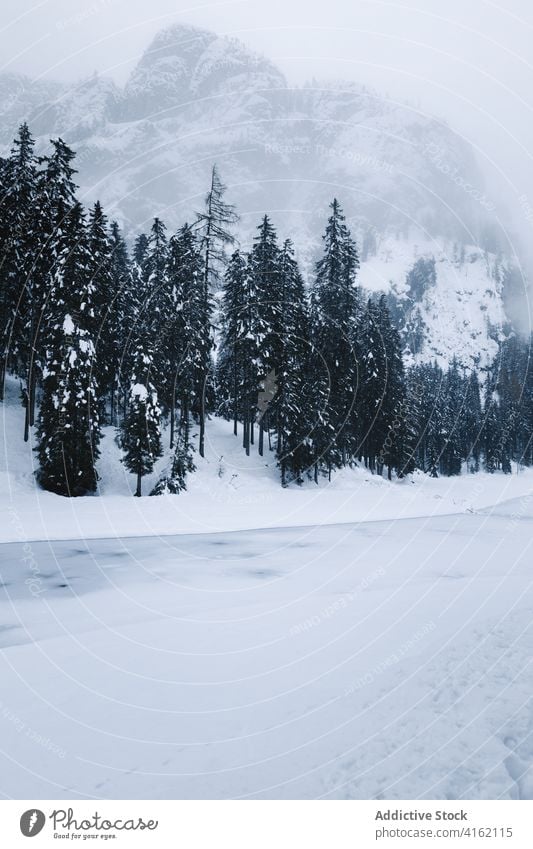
(410, 186)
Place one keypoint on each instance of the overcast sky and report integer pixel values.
(470, 61)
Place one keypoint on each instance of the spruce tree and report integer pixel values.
(397, 450)
(105, 329)
(213, 225)
(140, 429)
(335, 314)
(187, 337)
(493, 428)
(20, 243)
(451, 427)
(55, 199)
(291, 410)
(230, 356)
(155, 306)
(69, 430)
(428, 385)
(370, 418)
(267, 316)
(124, 316)
(472, 423)
(174, 481)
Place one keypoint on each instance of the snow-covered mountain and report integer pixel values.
(410, 186)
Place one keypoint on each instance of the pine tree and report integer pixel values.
(156, 306)
(69, 430)
(140, 249)
(213, 225)
(19, 245)
(140, 430)
(55, 200)
(452, 430)
(174, 481)
(230, 359)
(291, 410)
(124, 316)
(471, 423)
(371, 421)
(105, 329)
(335, 311)
(397, 451)
(187, 339)
(5, 299)
(154, 272)
(492, 428)
(134, 311)
(428, 385)
(267, 316)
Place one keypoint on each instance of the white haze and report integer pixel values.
(467, 62)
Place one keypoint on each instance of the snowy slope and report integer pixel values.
(229, 491)
(463, 314)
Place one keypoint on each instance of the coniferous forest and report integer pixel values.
(157, 337)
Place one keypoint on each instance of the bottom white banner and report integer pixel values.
(267, 824)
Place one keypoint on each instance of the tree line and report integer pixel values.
(157, 339)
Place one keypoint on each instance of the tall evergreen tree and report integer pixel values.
(19, 246)
(267, 317)
(230, 358)
(156, 305)
(140, 430)
(187, 339)
(124, 316)
(105, 329)
(370, 418)
(452, 422)
(69, 430)
(55, 199)
(397, 451)
(213, 226)
(335, 312)
(292, 408)
(471, 421)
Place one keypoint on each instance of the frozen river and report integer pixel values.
(375, 659)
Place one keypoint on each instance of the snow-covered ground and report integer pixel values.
(229, 491)
(362, 639)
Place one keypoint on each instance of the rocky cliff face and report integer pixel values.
(409, 185)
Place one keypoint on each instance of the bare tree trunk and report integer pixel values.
(261, 437)
(32, 394)
(201, 443)
(172, 424)
(29, 416)
(173, 413)
(26, 416)
(234, 395)
(246, 433)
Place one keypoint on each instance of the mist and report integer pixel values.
(464, 63)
